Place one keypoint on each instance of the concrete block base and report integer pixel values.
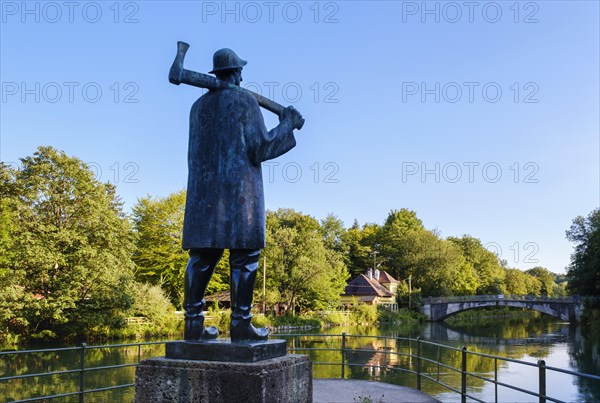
(224, 350)
(282, 379)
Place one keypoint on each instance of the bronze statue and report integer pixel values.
(225, 204)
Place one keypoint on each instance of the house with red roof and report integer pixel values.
(373, 288)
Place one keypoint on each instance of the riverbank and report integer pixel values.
(143, 329)
(360, 315)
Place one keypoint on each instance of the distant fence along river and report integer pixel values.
(105, 373)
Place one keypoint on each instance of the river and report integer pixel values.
(527, 339)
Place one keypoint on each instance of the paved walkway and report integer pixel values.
(353, 391)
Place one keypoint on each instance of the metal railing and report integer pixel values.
(81, 369)
(423, 365)
(421, 358)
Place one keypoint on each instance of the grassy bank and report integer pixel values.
(356, 316)
(171, 325)
(140, 329)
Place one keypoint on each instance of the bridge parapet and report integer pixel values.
(496, 297)
(565, 308)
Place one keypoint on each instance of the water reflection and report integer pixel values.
(559, 344)
(51, 361)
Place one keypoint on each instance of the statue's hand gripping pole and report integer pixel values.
(178, 75)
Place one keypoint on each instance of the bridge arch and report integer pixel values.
(438, 309)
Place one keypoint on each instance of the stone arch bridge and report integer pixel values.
(567, 308)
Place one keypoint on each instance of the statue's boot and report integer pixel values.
(198, 273)
(242, 330)
(243, 264)
(194, 329)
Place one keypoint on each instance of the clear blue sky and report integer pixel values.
(401, 101)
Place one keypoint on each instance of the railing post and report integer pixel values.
(343, 354)
(463, 383)
(139, 352)
(81, 373)
(437, 360)
(496, 379)
(418, 363)
(542, 382)
(385, 339)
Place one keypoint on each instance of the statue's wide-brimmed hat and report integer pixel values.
(226, 59)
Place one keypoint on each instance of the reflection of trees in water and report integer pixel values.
(67, 360)
(385, 358)
(522, 326)
(382, 360)
(585, 356)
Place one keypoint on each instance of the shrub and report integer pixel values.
(335, 319)
(364, 314)
(260, 320)
(404, 315)
(289, 320)
(150, 302)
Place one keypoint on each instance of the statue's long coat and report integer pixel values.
(225, 205)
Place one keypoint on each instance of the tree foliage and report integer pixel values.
(355, 251)
(547, 280)
(66, 263)
(584, 270)
(69, 255)
(489, 274)
(402, 239)
(158, 223)
(358, 244)
(437, 266)
(151, 302)
(301, 271)
(514, 282)
(333, 233)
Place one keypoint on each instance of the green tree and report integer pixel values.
(559, 289)
(151, 302)
(518, 282)
(301, 271)
(357, 255)
(515, 282)
(334, 232)
(489, 273)
(437, 266)
(357, 245)
(399, 237)
(584, 270)
(12, 295)
(546, 279)
(158, 223)
(533, 285)
(70, 247)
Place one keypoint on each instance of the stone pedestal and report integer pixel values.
(281, 379)
(223, 350)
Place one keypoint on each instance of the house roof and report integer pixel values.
(221, 296)
(363, 285)
(384, 277)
